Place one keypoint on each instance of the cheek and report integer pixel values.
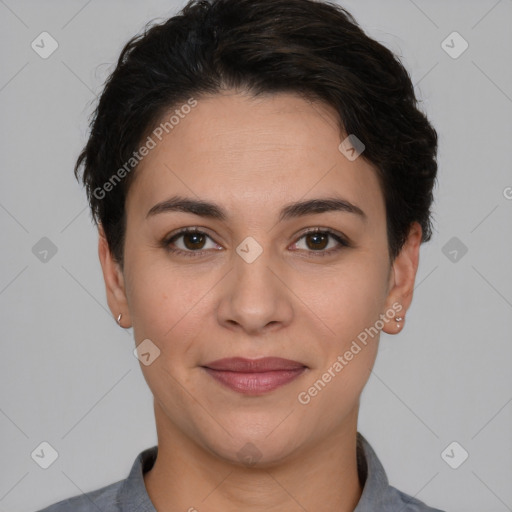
(345, 299)
(169, 308)
(167, 303)
(346, 303)
(345, 357)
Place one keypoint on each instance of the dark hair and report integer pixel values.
(311, 48)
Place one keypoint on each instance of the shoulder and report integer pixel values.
(127, 494)
(378, 494)
(105, 498)
(395, 497)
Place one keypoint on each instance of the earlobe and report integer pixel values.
(114, 280)
(403, 277)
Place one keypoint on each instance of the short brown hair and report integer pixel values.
(312, 48)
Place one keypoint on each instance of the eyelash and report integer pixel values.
(168, 240)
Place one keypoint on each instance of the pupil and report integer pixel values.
(197, 239)
(317, 236)
(319, 240)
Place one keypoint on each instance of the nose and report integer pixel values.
(255, 296)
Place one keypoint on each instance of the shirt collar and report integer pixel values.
(133, 496)
(371, 475)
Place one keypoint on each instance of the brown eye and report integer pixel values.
(317, 241)
(189, 242)
(194, 240)
(320, 242)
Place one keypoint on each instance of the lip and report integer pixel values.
(254, 376)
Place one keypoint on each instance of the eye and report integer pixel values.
(321, 242)
(193, 242)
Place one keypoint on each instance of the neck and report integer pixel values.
(187, 477)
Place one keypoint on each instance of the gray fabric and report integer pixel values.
(130, 495)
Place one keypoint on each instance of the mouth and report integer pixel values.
(254, 376)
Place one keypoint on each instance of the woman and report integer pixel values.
(261, 178)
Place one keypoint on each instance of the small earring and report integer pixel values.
(119, 318)
(397, 320)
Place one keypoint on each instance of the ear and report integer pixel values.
(402, 279)
(114, 281)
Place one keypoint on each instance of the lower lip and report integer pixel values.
(255, 383)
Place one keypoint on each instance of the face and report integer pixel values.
(257, 278)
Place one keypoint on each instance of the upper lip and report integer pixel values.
(264, 364)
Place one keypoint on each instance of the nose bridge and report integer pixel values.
(252, 269)
(255, 296)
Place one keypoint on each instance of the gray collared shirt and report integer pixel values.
(130, 495)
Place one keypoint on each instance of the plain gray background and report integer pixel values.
(69, 376)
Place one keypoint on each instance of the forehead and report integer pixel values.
(251, 153)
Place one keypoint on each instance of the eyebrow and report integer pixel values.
(211, 210)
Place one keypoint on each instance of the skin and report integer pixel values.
(253, 156)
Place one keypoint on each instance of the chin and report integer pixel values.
(260, 454)
(254, 444)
